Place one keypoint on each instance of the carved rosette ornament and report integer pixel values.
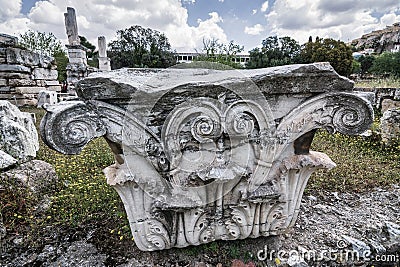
(202, 155)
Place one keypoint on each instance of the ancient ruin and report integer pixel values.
(104, 61)
(77, 67)
(387, 101)
(23, 73)
(201, 154)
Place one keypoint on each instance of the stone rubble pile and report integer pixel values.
(23, 73)
(19, 144)
(387, 100)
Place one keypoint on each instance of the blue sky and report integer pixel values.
(187, 22)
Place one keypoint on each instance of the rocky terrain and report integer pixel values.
(333, 229)
(380, 40)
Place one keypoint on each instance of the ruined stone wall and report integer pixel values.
(387, 100)
(23, 73)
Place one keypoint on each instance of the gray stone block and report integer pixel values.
(390, 126)
(18, 133)
(51, 83)
(14, 75)
(44, 74)
(21, 82)
(56, 88)
(3, 82)
(5, 89)
(28, 58)
(8, 40)
(29, 89)
(14, 68)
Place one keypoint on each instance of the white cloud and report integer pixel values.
(105, 17)
(254, 30)
(264, 6)
(339, 19)
(189, 1)
(221, 1)
(9, 9)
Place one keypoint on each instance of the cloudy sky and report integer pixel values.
(187, 22)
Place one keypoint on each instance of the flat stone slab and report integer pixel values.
(290, 79)
(14, 68)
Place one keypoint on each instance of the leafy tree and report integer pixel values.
(387, 63)
(62, 62)
(141, 47)
(40, 42)
(48, 45)
(90, 52)
(366, 63)
(356, 66)
(275, 52)
(214, 51)
(336, 52)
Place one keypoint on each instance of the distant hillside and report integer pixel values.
(380, 40)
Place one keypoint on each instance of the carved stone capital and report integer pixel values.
(212, 158)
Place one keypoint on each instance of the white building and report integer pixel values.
(189, 57)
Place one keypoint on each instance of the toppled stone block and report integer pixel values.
(44, 74)
(28, 58)
(36, 175)
(24, 101)
(204, 155)
(6, 160)
(46, 97)
(56, 88)
(8, 40)
(5, 89)
(390, 126)
(15, 75)
(18, 136)
(21, 82)
(51, 83)
(389, 104)
(28, 90)
(14, 68)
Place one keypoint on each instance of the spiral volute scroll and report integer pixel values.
(347, 113)
(69, 126)
(354, 116)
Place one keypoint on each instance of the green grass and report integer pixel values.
(83, 197)
(362, 163)
(390, 82)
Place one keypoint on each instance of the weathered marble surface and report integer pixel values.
(23, 73)
(18, 136)
(205, 154)
(390, 126)
(6, 160)
(104, 61)
(71, 26)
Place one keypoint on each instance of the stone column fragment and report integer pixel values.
(104, 61)
(71, 26)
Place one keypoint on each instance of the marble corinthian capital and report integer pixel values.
(202, 154)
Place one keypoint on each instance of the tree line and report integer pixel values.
(139, 47)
